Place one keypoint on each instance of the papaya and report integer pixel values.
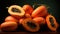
(21, 21)
(39, 20)
(28, 9)
(16, 11)
(8, 26)
(27, 16)
(40, 11)
(10, 18)
(30, 25)
(51, 22)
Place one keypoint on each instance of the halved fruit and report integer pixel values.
(51, 23)
(16, 11)
(30, 25)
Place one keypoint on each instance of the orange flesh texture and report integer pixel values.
(28, 28)
(39, 20)
(15, 14)
(40, 11)
(49, 24)
(28, 9)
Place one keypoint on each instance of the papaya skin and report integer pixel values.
(21, 21)
(17, 17)
(16, 14)
(10, 18)
(8, 26)
(28, 28)
(56, 25)
(39, 20)
(40, 11)
(28, 9)
(27, 16)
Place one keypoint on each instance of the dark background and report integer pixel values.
(54, 10)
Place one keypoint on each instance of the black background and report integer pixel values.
(54, 10)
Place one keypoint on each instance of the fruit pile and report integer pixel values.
(30, 18)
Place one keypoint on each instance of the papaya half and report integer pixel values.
(30, 25)
(16, 11)
(51, 23)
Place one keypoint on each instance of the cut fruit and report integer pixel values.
(51, 23)
(16, 11)
(30, 25)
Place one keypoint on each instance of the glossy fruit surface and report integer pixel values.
(40, 11)
(28, 9)
(39, 20)
(9, 26)
(10, 18)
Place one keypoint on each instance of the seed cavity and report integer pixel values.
(16, 10)
(51, 21)
(31, 25)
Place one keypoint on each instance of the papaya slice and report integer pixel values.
(30, 25)
(51, 23)
(40, 11)
(39, 20)
(16, 11)
(9, 26)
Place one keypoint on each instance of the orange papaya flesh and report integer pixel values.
(30, 25)
(52, 23)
